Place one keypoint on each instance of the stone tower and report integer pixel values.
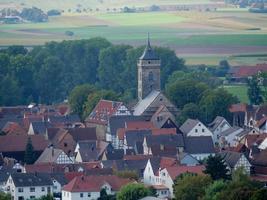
(148, 72)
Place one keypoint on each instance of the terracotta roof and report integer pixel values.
(44, 168)
(14, 128)
(261, 178)
(19, 142)
(139, 125)
(261, 122)
(251, 139)
(71, 175)
(245, 71)
(240, 107)
(175, 171)
(94, 183)
(164, 131)
(102, 111)
(168, 162)
(260, 158)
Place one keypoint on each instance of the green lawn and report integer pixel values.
(238, 90)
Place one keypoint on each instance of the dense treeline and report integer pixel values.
(47, 74)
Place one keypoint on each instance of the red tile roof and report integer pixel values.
(18, 143)
(95, 183)
(102, 111)
(240, 107)
(168, 162)
(251, 139)
(71, 175)
(164, 131)
(245, 71)
(175, 171)
(14, 128)
(142, 125)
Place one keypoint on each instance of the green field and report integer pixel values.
(238, 90)
(198, 37)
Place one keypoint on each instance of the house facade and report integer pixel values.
(23, 186)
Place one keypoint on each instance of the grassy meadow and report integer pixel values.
(240, 91)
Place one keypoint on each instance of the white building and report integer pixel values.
(24, 186)
(89, 187)
(163, 179)
(218, 125)
(195, 128)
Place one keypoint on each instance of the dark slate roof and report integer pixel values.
(149, 53)
(199, 145)
(64, 119)
(169, 140)
(133, 136)
(216, 122)
(116, 122)
(39, 127)
(115, 154)
(80, 134)
(132, 165)
(59, 177)
(27, 180)
(5, 173)
(230, 157)
(188, 125)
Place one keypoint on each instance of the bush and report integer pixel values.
(53, 12)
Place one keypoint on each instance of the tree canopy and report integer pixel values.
(133, 191)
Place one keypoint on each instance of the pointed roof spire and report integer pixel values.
(148, 53)
(148, 41)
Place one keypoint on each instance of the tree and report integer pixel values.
(190, 186)
(9, 92)
(133, 191)
(4, 196)
(34, 14)
(254, 91)
(29, 155)
(111, 66)
(182, 92)
(128, 174)
(105, 196)
(78, 97)
(216, 168)
(259, 194)
(213, 191)
(189, 110)
(216, 103)
(47, 197)
(241, 187)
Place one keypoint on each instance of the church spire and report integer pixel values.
(148, 53)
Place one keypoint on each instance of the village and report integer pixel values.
(48, 150)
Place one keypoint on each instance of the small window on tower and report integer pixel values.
(150, 76)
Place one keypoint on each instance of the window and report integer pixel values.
(89, 194)
(203, 130)
(21, 198)
(20, 189)
(65, 144)
(43, 189)
(196, 130)
(81, 195)
(32, 189)
(32, 197)
(150, 76)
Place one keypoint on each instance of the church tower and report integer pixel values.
(148, 72)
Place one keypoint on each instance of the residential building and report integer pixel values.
(24, 186)
(89, 187)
